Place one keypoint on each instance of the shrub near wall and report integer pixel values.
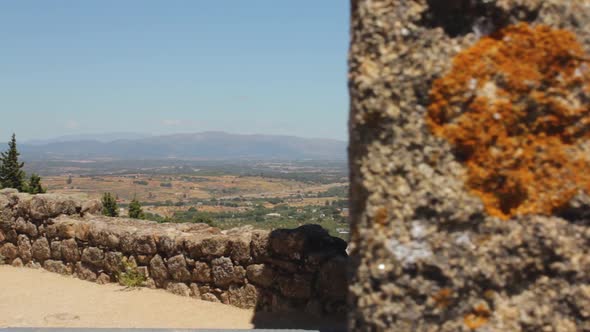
(285, 270)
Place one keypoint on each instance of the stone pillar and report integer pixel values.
(470, 165)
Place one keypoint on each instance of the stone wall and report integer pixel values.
(285, 270)
(469, 136)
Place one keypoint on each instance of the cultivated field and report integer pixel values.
(151, 189)
(265, 195)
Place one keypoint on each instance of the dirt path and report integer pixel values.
(37, 298)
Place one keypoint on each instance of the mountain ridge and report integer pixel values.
(199, 145)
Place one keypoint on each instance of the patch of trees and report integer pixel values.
(275, 200)
(135, 210)
(286, 217)
(337, 191)
(306, 177)
(110, 208)
(109, 205)
(194, 179)
(156, 217)
(12, 174)
(194, 216)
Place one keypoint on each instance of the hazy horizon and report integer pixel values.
(111, 136)
(202, 145)
(158, 68)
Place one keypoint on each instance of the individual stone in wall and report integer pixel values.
(470, 133)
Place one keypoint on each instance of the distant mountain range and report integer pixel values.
(205, 145)
(104, 137)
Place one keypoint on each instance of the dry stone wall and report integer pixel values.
(469, 136)
(303, 269)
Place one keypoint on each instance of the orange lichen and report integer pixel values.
(478, 317)
(443, 298)
(381, 216)
(515, 107)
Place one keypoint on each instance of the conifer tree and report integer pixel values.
(11, 173)
(135, 210)
(34, 186)
(109, 205)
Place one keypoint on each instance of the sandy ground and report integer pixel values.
(37, 298)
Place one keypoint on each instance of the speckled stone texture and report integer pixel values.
(425, 255)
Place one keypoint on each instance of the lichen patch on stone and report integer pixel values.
(516, 109)
(443, 298)
(478, 317)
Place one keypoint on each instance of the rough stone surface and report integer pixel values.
(33, 265)
(213, 247)
(26, 227)
(91, 206)
(41, 250)
(18, 262)
(177, 268)
(195, 292)
(202, 273)
(242, 297)
(84, 273)
(210, 297)
(143, 259)
(295, 286)
(113, 262)
(25, 248)
(225, 273)
(330, 282)
(63, 236)
(103, 279)
(263, 275)
(70, 251)
(93, 257)
(144, 271)
(167, 245)
(260, 244)
(56, 266)
(9, 251)
(240, 249)
(150, 283)
(55, 248)
(426, 254)
(9, 234)
(144, 244)
(282, 264)
(179, 289)
(158, 269)
(296, 244)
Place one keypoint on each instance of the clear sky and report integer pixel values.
(169, 66)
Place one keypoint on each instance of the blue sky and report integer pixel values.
(257, 66)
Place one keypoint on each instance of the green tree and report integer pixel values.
(109, 205)
(11, 173)
(34, 186)
(135, 210)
